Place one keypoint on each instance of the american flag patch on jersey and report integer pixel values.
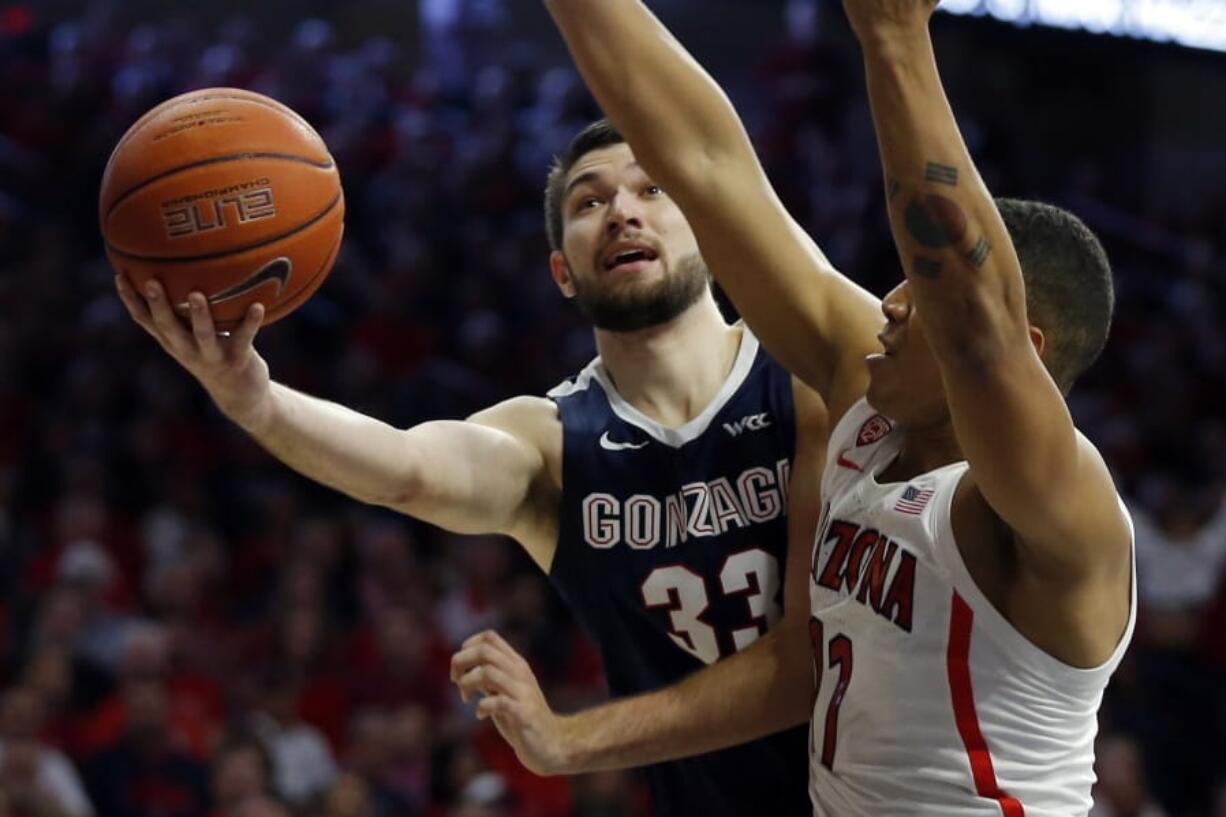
(913, 500)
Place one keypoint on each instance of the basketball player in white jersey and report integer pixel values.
(972, 582)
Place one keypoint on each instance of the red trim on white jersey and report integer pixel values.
(957, 661)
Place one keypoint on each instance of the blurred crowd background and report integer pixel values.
(188, 629)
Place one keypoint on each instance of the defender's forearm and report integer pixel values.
(754, 693)
(677, 118)
(953, 245)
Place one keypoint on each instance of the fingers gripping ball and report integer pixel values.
(226, 192)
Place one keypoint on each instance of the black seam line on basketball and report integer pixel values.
(324, 267)
(233, 157)
(158, 259)
(276, 106)
(279, 107)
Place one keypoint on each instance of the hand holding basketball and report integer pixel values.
(224, 192)
(229, 368)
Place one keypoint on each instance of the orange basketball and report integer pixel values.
(227, 192)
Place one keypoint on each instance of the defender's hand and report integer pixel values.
(487, 665)
(229, 368)
(878, 21)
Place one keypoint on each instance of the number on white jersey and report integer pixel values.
(841, 656)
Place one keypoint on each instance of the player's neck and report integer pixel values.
(673, 371)
(923, 450)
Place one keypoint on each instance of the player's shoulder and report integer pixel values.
(534, 422)
(525, 415)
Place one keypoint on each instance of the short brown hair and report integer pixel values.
(599, 134)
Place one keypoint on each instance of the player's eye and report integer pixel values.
(586, 203)
(653, 190)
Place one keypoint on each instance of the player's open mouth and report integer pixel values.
(625, 254)
(886, 353)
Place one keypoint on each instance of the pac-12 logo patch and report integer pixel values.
(874, 429)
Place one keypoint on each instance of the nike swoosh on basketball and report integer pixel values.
(609, 445)
(278, 269)
(846, 463)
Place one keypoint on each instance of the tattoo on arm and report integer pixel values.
(935, 221)
(927, 267)
(892, 189)
(979, 253)
(941, 174)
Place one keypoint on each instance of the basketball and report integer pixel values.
(226, 192)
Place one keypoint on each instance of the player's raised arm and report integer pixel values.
(690, 140)
(763, 689)
(965, 281)
(486, 475)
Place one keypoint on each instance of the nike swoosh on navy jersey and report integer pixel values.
(609, 445)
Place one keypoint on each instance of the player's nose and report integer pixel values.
(896, 305)
(622, 212)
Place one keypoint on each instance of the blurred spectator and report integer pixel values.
(371, 760)
(262, 806)
(485, 795)
(85, 567)
(194, 700)
(68, 689)
(142, 772)
(350, 797)
(475, 601)
(389, 574)
(409, 770)
(40, 780)
(242, 772)
(393, 753)
(405, 663)
(302, 761)
(1179, 562)
(1121, 790)
(608, 794)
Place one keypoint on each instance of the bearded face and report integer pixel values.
(629, 257)
(631, 305)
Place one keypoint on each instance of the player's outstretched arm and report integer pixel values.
(486, 475)
(771, 683)
(688, 137)
(758, 691)
(1041, 477)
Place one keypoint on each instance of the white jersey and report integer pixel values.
(928, 701)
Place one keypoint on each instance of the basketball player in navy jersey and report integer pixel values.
(972, 584)
(652, 488)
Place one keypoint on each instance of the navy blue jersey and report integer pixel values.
(671, 552)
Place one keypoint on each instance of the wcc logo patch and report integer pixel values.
(874, 429)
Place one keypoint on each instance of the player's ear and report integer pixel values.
(1038, 339)
(560, 269)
